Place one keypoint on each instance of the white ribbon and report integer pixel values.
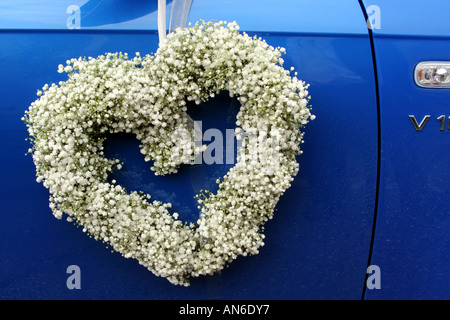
(161, 20)
(178, 16)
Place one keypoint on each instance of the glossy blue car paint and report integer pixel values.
(323, 237)
(411, 242)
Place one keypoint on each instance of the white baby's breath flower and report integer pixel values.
(146, 95)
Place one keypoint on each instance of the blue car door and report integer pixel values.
(318, 243)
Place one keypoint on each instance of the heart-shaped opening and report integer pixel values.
(217, 117)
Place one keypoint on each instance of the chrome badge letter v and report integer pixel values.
(419, 126)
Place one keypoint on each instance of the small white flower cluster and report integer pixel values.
(147, 96)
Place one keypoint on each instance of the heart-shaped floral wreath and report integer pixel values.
(147, 96)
